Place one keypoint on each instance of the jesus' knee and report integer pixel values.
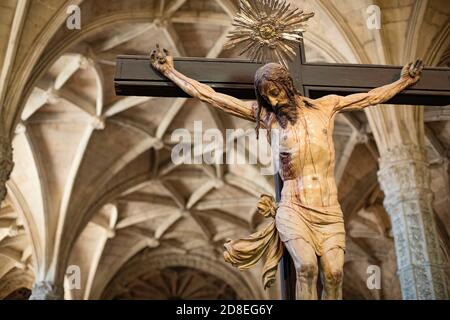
(307, 272)
(332, 277)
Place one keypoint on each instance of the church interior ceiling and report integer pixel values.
(94, 186)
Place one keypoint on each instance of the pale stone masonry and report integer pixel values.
(405, 179)
(45, 290)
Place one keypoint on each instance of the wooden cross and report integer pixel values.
(135, 77)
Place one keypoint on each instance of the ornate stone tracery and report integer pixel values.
(46, 290)
(405, 179)
(6, 163)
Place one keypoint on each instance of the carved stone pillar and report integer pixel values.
(6, 163)
(46, 290)
(405, 179)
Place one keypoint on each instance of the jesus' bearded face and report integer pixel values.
(276, 93)
(277, 97)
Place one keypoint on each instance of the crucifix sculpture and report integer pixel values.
(301, 106)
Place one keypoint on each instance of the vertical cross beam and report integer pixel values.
(287, 268)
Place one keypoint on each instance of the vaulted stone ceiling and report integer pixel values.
(94, 185)
(17, 268)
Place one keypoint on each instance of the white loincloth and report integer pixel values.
(322, 227)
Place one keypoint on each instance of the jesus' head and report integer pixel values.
(275, 92)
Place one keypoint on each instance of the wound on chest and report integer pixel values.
(287, 166)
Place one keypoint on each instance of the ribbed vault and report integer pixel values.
(93, 176)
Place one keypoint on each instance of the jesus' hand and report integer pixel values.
(412, 71)
(161, 60)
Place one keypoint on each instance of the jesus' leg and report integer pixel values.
(332, 265)
(305, 261)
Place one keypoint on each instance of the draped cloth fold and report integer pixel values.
(244, 253)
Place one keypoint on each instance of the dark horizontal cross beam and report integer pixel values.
(135, 77)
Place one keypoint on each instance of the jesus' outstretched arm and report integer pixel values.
(162, 61)
(410, 75)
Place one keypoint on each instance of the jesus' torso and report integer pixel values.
(307, 158)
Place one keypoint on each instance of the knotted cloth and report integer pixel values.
(244, 253)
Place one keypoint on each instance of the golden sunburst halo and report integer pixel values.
(268, 30)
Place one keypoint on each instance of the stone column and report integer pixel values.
(6, 163)
(405, 179)
(46, 290)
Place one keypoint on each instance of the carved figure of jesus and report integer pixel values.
(309, 219)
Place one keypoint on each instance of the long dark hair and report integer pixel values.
(279, 76)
